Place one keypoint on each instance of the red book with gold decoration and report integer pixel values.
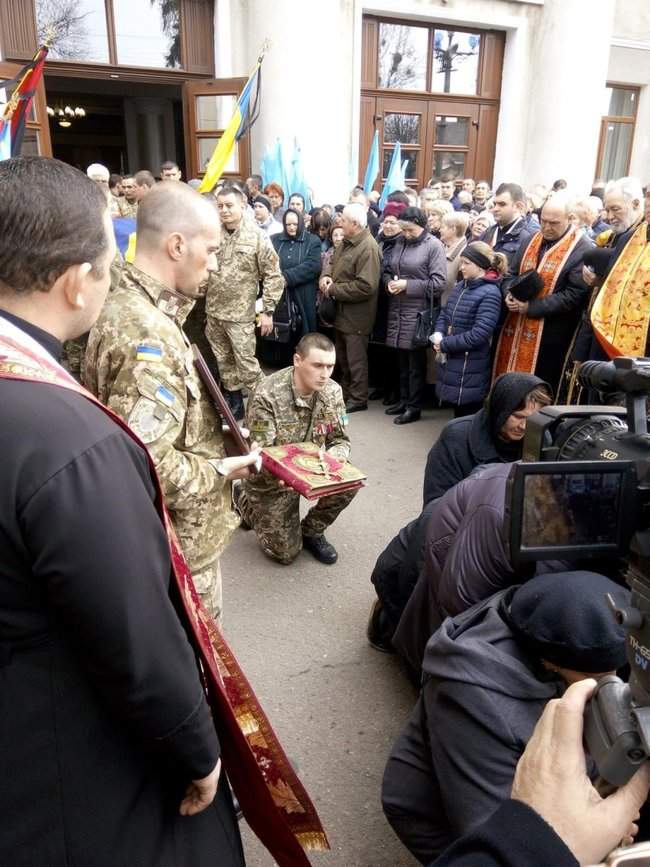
(310, 470)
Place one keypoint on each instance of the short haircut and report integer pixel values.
(39, 237)
(231, 190)
(298, 196)
(274, 188)
(357, 212)
(257, 179)
(144, 178)
(114, 180)
(97, 170)
(439, 207)
(169, 208)
(629, 188)
(313, 340)
(458, 221)
(128, 177)
(560, 184)
(169, 166)
(359, 196)
(516, 192)
(398, 196)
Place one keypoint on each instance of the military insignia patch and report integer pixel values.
(144, 352)
(165, 396)
(147, 422)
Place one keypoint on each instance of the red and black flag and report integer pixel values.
(16, 111)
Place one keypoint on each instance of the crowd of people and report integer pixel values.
(483, 296)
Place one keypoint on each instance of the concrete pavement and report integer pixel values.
(299, 633)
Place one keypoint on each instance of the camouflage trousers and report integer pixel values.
(208, 586)
(275, 517)
(233, 344)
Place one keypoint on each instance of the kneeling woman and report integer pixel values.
(487, 675)
(465, 327)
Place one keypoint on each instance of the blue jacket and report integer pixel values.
(467, 323)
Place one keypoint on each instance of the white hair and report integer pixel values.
(591, 204)
(356, 212)
(629, 188)
(97, 170)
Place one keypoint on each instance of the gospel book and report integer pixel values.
(311, 471)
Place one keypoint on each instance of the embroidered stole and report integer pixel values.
(273, 799)
(620, 315)
(521, 335)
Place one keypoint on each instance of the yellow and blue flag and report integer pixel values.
(244, 116)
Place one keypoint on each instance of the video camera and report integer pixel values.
(582, 492)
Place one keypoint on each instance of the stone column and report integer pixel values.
(569, 58)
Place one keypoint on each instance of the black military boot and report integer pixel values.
(320, 548)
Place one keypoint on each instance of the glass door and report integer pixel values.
(404, 121)
(454, 131)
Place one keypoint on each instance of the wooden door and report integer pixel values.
(453, 136)
(36, 140)
(207, 109)
(404, 120)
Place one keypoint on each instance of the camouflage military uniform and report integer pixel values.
(139, 364)
(74, 350)
(277, 414)
(126, 209)
(244, 259)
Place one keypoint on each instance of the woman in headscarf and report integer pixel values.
(299, 253)
(493, 434)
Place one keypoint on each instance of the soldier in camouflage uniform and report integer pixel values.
(297, 404)
(127, 204)
(139, 363)
(245, 259)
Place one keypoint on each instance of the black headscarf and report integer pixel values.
(301, 224)
(507, 396)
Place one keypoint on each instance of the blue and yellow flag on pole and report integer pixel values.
(244, 116)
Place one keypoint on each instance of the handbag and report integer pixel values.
(425, 323)
(287, 320)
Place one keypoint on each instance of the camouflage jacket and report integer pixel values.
(138, 362)
(245, 259)
(277, 414)
(124, 208)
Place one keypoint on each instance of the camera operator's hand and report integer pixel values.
(551, 778)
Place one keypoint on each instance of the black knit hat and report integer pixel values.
(564, 618)
(263, 200)
(414, 215)
(526, 286)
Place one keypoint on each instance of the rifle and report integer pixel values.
(234, 441)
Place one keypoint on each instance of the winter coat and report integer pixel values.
(466, 442)
(355, 270)
(452, 255)
(300, 263)
(422, 263)
(467, 323)
(482, 696)
(508, 242)
(466, 558)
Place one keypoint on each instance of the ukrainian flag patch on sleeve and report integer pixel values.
(144, 352)
(165, 396)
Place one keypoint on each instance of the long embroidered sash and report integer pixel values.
(521, 335)
(273, 799)
(621, 312)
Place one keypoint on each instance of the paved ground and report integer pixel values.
(299, 632)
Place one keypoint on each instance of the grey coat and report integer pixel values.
(424, 266)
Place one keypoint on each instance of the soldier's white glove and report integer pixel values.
(238, 466)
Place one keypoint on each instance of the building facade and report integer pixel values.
(527, 90)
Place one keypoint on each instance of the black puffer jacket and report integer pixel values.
(424, 266)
